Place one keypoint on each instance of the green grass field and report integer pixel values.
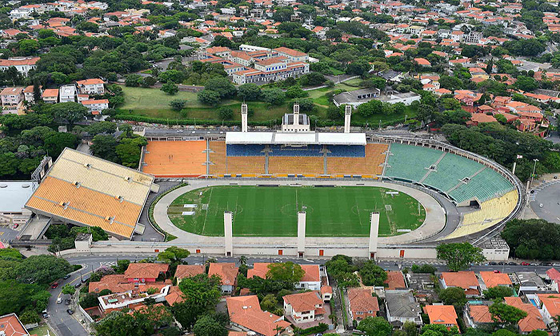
(272, 211)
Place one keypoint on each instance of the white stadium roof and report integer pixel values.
(289, 138)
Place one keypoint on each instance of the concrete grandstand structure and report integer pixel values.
(84, 190)
(476, 195)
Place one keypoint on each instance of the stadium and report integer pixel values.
(290, 192)
(425, 191)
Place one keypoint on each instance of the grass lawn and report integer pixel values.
(43, 330)
(155, 103)
(272, 211)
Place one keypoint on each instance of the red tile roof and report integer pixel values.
(246, 311)
(187, 271)
(226, 271)
(145, 270)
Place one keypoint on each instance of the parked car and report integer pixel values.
(59, 300)
(512, 263)
(54, 285)
(69, 311)
(67, 302)
(77, 285)
(493, 263)
(525, 264)
(66, 276)
(496, 271)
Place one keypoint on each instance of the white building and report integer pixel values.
(304, 307)
(22, 64)
(96, 106)
(67, 93)
(93, 86)
(13, 196)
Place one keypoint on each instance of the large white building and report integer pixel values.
(22, 64)
(13, 196)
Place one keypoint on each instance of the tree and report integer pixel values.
(296, 92)
(68, 289)
(102, 127)
(143, 322)
(170, 88)
(335, 113)
(28, 47)
(438, 330)
(526, 83)
(56, 142)
(532, 238)
(454, 296)
(287, 272)
(177, 104)
(173, 254)
(274, 96)
(498, 292)
(129, 150)
(225, 113)
(503, 313)
(104, 147)
(207, 326)
(69, 112)
(42, 269)
(249, 92)
(222, 86)
(201, 294)
(133, 80)
(208, 97)
(375, 326)
(459, 255)
(370, 108)
(372, 275)
(359, 67)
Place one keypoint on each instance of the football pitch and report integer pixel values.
(272, 211)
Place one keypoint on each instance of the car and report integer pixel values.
(45, 315)
(493, 263)
(496, 271)
(84, 280)
(67, 302)
(77, 285)
(54, 285)
(501, 263)
(69, 311)
(525, 264)
(59, 300)
(512, 263)
(66, 277)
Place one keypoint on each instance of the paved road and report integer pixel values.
(549, 197)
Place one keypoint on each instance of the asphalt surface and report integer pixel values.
(549, 198)
(69, 325)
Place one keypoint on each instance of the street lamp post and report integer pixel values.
(534, 168)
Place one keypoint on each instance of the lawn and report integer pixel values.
(155, 103)
(42, 330)
(272, 211)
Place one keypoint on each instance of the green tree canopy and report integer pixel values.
(375, 326)
(286, 271)
(459, 256)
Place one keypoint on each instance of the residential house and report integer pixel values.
(187, 271)
(67, 93)
(548, 304)
(130, 299)
(401, 307)
(395, 280)
(22, 64)
(28, 95)
(462, 279)
(477, 316)
(145, 272)
(10, 325)
(311, 279)
(93, 86)
(96, 106)
(304, 307)
(533, 320)
(491, 279)
(529, 281)
(362, 303)
(12, 100)
(554, 276)
(442, 314)
(245, 314)
(50, 96)
(227, 272)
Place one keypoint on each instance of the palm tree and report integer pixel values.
(278, 329)
(243, 260)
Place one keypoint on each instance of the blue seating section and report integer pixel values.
(310, 150)
(347, 151)
(485, 185)
(410, 162)
(245, 150)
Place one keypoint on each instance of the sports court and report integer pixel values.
(175, 158)
(272, 211)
